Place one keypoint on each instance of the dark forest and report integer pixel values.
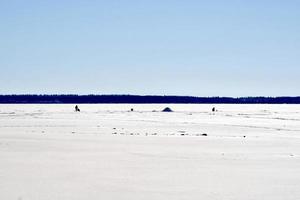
(65, 99)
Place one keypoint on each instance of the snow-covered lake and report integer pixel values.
(106, 151)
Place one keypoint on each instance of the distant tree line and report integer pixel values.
(65, 99)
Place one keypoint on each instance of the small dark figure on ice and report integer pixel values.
(77, 108)
(213, 109)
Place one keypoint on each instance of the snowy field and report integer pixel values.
(240, 152)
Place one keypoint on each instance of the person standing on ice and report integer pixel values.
(77, 108)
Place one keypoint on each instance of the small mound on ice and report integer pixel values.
(167, 109)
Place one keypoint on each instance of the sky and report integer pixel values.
(150, 47)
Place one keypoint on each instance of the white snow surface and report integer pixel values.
(50, 152)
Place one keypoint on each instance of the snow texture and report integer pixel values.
(107, 151)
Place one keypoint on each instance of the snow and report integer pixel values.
(107, 151)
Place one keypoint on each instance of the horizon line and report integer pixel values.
(147, 95)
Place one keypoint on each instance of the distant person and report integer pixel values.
(213, 109)
(77, 108)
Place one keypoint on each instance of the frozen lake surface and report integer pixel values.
(106, 151)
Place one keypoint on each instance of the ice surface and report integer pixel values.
(107, 151)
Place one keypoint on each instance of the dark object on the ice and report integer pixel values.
(204, 134)
(167, 109)
(213, 109)
(77, 108)
(131, 109)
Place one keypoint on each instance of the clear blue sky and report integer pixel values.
(163, 47)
